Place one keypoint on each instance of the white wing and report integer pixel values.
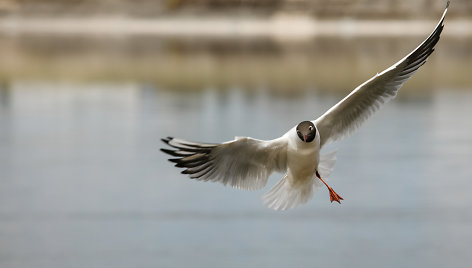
(244, 163)
(348, 114)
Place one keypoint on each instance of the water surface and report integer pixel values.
(83, 183)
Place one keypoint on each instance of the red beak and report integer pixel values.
(304, 138)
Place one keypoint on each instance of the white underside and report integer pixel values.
(291, 192)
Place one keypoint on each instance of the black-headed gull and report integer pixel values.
(246, 163)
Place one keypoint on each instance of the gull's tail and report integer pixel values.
(289, 193)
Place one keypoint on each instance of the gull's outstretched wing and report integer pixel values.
(244, 163)
(348, 114)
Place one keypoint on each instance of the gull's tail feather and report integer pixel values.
(287, 195)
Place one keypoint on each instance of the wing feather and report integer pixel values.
(244, 163)
(348, 114)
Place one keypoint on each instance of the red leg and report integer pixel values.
(333, 196)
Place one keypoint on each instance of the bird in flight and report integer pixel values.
(246, 163)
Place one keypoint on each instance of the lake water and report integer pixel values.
(83, 183)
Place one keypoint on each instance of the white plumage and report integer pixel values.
(246, 163)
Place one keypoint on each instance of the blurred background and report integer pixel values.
(88, 88)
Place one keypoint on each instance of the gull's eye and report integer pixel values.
(310, 128)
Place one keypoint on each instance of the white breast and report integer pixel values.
(302, 158)
(296, 187)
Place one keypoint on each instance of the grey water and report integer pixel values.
(83, 183)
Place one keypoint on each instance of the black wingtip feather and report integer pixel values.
(174, 160)
(167, 151)
(186, 171)
(192, 164)
(419, 57)
(180, 165)
(194, 158)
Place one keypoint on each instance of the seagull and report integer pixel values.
(246, 163)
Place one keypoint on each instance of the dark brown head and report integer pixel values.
(306, 131)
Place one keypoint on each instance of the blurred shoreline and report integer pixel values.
(286, 27)
(281, 50)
